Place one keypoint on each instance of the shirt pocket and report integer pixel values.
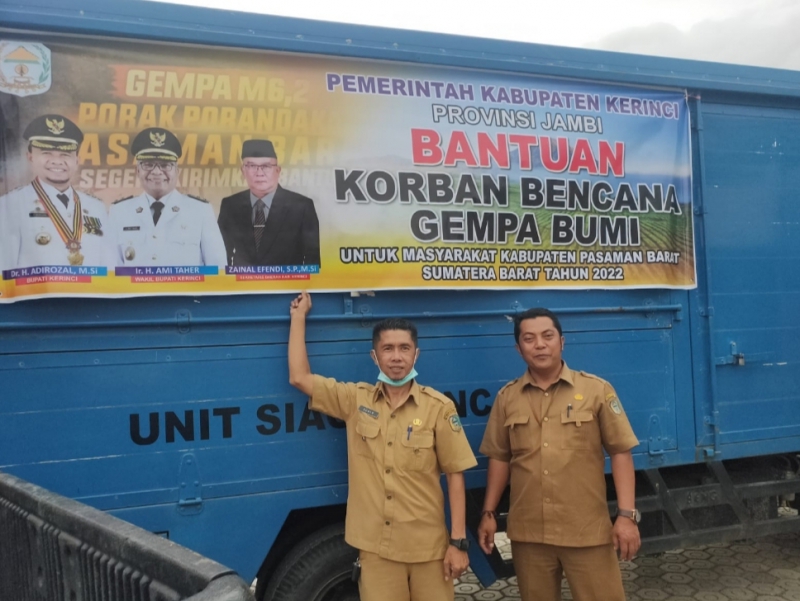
(185, 234)
(418, 453)
(43, 232)
(130, 236)
(577, 429)
(132, 245)
(367, 438)
(520, 432)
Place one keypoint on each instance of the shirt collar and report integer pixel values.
(567, 375)
(52, 192)
(164, 199)
(267, 199)
(380, 391)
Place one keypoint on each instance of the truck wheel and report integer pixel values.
(317, 569)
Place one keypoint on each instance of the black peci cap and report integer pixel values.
(53, 132)
(258, 149)
(156, 143)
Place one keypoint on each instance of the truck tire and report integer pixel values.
(317, 569)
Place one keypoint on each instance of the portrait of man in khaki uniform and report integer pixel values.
(401, 436)
(547, 432)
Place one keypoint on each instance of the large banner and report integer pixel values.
(135, 168)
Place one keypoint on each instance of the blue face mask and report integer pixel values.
(382, 377)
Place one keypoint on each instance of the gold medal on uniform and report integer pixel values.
(42, 238)
(70, 236)
(130, 254)
(74, 257)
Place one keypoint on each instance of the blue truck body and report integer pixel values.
(176, 413)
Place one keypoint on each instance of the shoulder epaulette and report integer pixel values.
(197, 198)
(433, 393)
(592, 376)
(16, 189)
(511, 383)
(87, 195)
(122, 199)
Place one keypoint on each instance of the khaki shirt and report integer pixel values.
(558, 487)
(395, 505)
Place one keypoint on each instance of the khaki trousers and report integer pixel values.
(592, 572)
(385, 580)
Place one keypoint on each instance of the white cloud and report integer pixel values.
(754, 32)
(765, 35)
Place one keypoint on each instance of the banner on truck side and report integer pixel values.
(134, 168)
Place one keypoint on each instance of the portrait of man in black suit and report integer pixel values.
(267, 224)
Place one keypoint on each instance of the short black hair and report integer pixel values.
(533, 314)
(393, 323)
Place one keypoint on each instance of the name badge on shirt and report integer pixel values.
(368, 411)
(131, 228)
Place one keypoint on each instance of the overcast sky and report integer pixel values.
(752, 32)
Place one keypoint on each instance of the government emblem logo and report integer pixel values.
(55, 126)
(25, 68)
(158, 139)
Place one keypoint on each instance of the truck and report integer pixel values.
(173, 410)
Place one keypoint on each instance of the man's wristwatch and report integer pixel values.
(633, 514)
(462, 544)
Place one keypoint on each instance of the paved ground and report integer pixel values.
(766, 569)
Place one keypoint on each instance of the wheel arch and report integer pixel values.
(299, 524)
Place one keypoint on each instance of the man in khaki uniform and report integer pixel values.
(400, 437)
(548, 430)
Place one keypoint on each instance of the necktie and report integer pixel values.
(63, 198)
(259, 222)
(158, 206)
